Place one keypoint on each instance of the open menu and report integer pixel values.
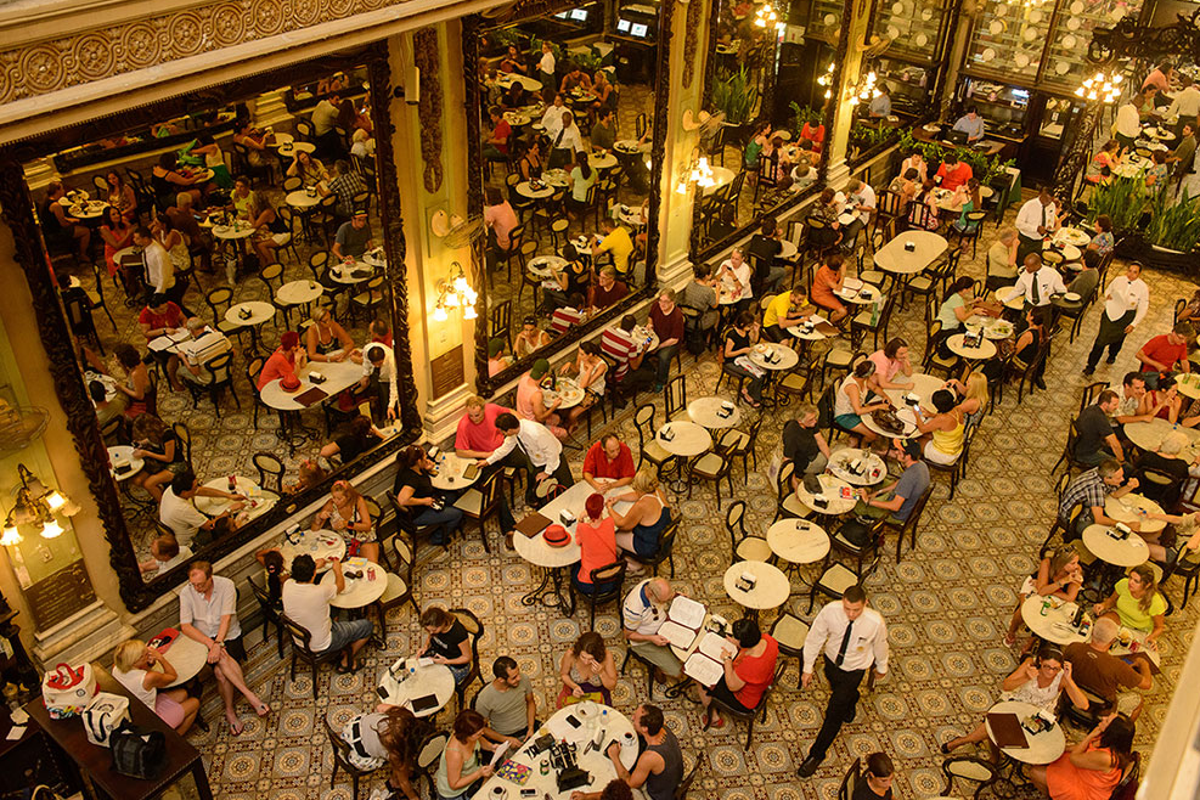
(706, 665)
(684, 619)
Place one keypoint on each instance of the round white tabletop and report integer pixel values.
(450, 473)
(1069, 251)
(808, 332)
(525, 189)
(861, 294)
(714, 413)
(602, 161)
(508, 79)
(1055, 624)
(257, 312)
(894, 256)
(1188, 385)
(720, 177)
(1072, 236)
(774, 357)
(278, 139)
(320, 544)
(993, 328)
(297, 293)
(1150, 435)
(544, 266)
(838, 494)
(630, 146)
(1128, 551)
(169, 342)
(434, 679)
(91, 210)
(517, 119)
(120, 455)
(918, 383)
(787, 249)
(293, 147)
(1133, 508)
(871, 472)
(240, 229)
(771, 586)
(631, 217)
(338, 375)
(559, 178)
(258, 501)
(984, 351)
(187, 657)
(1012, 297)
(353, 273)
(1043, 748)
(684, 439)
(568, 393)
(362, 591)
(300, 198)
(798, 541)
(536, 551)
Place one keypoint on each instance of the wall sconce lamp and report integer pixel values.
(767, 18)
(696, 173)
(36, 504)
(866, 91)
(454, 291)
(826, 80)
(1101, 86)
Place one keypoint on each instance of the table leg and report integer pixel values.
(550, 592)
(201, 778)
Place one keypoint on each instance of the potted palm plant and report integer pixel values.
(735, 96)
(1124, 201)
(1174, 230)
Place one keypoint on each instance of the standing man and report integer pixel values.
(507, 704)
(1186, 105)
(566, 143)
(541, 447)
(1125, 305)
(1036, 220)
(1037, 283)
(160, 271)
(851, 638)
(1129, 121)
(379, 371)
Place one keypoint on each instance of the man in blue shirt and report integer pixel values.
(971, 124)
(896, 501)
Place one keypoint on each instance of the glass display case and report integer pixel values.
(1004, 106)
(1009, 39)
(909, 85)
(1057, 115)
(1066, 64)
(825, 21)
(912, 25)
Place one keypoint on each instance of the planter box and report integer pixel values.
(1134, 247)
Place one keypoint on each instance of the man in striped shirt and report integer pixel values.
(566, 316)
(618, 344)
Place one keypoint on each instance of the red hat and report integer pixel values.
(557, 536)
(289, 383)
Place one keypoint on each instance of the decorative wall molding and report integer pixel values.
(426, 54)
(695, 13)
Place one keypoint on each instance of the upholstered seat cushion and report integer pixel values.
(470, 502)
(396, 587)
(655, 452)
(753, 548)
(790, 632)
(837, 579)
(793, 506)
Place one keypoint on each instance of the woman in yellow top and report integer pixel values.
(1137, 604)
(945, 428)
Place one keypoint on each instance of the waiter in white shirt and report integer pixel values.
(546, 67)
(1186, 105)
(552, 118)
(565, 143)
(535, 441)
(1128, 126)
(1125, 305)
(851, 638)
(1038, 283)
(1036, 220)
(862, 204)
(160, 272)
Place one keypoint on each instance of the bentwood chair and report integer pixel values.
(474, 632)
(747, 716)
(271, 614)
(302, 650)
(341, 759)
(610, 575)
(744, 546)
(270, 470)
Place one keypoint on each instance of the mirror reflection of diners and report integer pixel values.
(566, 108)
(223, 277)
(762, 131)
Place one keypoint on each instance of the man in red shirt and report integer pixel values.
(608, 464)
(496, 148)
(954, 173)
(477, 436)
(1167, 352)
(667, 321)
(286, 360)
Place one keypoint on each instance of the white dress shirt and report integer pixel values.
(1033, 214)
(546, 64)
(542, 447)
(160, 272)
(868, 639)
(863, 197)
(1048, 282)
(552, 120)
(1129, 122)
(1186, 104)
(387, 370)
(569, 139)
(205, 613)
(1123, 295)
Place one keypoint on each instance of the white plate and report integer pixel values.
(988, 54)
(1029, 34)
(1035, 17)
(1068, 41)
(1077, 7)
(1062, 68)
(1073, 24)
(1072, 297)
(996, 27)
(922, 40)
(927, 14)
(1022, 60)
(893, 32)
(830, 19)
(897, 8)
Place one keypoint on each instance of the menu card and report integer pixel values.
(706, 665)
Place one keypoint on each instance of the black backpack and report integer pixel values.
(138, 752)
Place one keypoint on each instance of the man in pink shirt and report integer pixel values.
(477, 435)
(891, 361)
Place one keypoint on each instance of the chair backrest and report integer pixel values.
(501, 317)
(252, 369)
(263, 598)
(850, 780)
(431, 749)
(219, 300)
(643, 420)
(735, 517)
(1090, 393)
(341, 749)
(675, 399)
(268, 464)
(185, 439)
(614, 574)
(301, 636)
(681, 791)
(783, 482)
(666, 540)
(292, 184)
(1126, 788)
(219, 368)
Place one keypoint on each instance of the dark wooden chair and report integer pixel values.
(270, 612)
(302, 650)
(341, 759)
(610, 574)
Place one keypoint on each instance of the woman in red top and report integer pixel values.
(286, 360)
(1092, 768)
(597, 539)
(827, 281)
(747, 674)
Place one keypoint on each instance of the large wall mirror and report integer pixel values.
(566, 140)
(196, 248)
(765, 139)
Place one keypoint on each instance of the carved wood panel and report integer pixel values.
(426, 55)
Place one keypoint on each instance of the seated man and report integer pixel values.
(1095, 669)
(205, 345)
(804, 445)
(307, 604)
(786, 310)
(645, 612)
(1096, 440)
(666, 320)
(353, 238)
(764, 249)
(971, 124)
(1168, 462)
(701, 295)
(606, 291)
(618, 344)
(1088, 491)
(165, 555)
(1166, 353)
(904, 492)
(1129, 400)
(179, 513)
(659, 768)
(477, 436)
(507, 704)
(608, 464)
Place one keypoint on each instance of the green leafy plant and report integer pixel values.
(1174, 227)
(589, 62)
(802, 114)
(985, 168)
(503, 37)
(736, 96)
(1122, 199)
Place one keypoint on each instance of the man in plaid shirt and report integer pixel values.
(1089, 490)
(345, 185)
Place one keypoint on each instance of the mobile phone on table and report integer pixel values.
(573, 721)
(471, 471)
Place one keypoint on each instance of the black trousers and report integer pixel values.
(842, 701)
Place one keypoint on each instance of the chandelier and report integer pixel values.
(826, 80)
(866, 91)
(699, 174)
(36, 505)
(455, 291)
(765, 17)
(1101, 86)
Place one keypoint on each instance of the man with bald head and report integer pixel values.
(645, 612)
(1098, 671)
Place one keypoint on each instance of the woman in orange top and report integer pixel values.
(827, 281)
(597, 539)
(1093, 767)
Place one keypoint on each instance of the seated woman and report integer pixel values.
(389, 735)
(972, 396)
(1137, 604)
(1191, 311)
(117, 234)
(326, 339)
(1058, 574)
(828, 208)
(1038, 681)
(754, 146)
(1091, 769)
(1101, 244)
(415, 495)
(134, 668)
(446, 642)
(641, 528)
(270, 230)
(1156, 176)
(829, 279)
(160, 450)
(747, 674)
(530, 166)
(961, 304)
(923, 210)
(167, 181)
(137, 385)
(1107, 157)
(596, 535)
(1027, 347)
(309, 170)
(851, 404)
(1161, 403)
(969, 196)
(346, 513)
(531, 337)
(586, 669)
(351, 439)
(945, 428)
(906, 185)
(891, 361)
(460, 765)
(589, 370)
(740, 340)
(121, 196)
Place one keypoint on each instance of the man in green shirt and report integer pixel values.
(507, 704)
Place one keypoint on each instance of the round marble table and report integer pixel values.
(983, 352)
(187, 657)
(812, 335)
(798, 541)
(993, 328)
(298, 293)
(1043, 748)
(422, 681)
(1128, 551)
(291, 148)
(1072, 236)
(359, 592)
(525, 189)
(544, 266)
(568, 394)
(301, 199)
(861, 294)
(894, 258)
(320, 544)
(239, 230)
(257, 310)
(831, 490)
(781, 356)
(1053, 626)
(873, 468)
(121, 454)
(771, 588)
(1133, 508)
(686, 439)
(602, 160)
(451, 471)
(1150, 435)
(704, 411)
(918, 383)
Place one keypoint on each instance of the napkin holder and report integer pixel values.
(726, 410)
(289, 533)
(855, 466)
(432, 452)
(566, 518)
(718, 624)
(910, 247)
(820, 501)
(806, 328)
(1121, 531)
(745, 582)
(912, 399)
(972, 339)
(1037, 722)
(243, 313)
(666, 434)
(316, 377)
(311, 191)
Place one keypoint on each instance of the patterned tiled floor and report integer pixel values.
(947, 605)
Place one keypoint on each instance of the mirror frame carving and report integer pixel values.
(520, 12)
(17, 212)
